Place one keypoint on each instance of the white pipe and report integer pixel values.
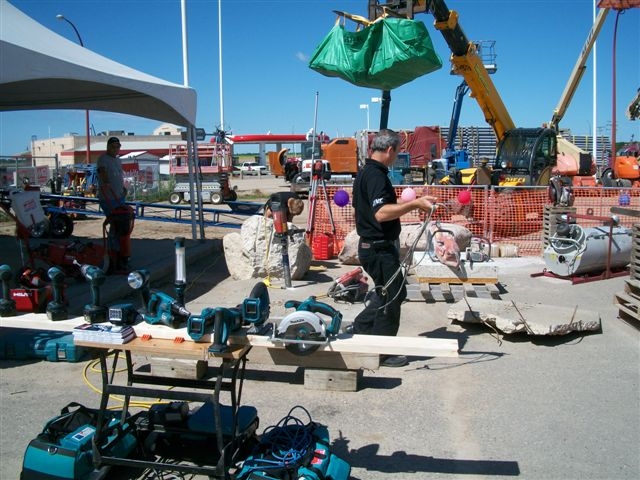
(185, 55)
(220, 63)
(595, 96)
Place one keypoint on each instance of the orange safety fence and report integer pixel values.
(510, 217)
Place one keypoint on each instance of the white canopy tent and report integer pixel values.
(40, 70)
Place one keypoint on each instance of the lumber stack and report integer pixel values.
(629, 302)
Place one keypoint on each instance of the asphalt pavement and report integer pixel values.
(564, 407)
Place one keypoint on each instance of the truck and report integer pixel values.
(339, 163)
(422, 146)
(524, 156)
(213, 170)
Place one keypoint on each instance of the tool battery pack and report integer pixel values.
(31, 299)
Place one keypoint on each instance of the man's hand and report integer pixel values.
(392, 211)
(425, 203)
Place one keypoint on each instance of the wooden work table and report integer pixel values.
(229, 377)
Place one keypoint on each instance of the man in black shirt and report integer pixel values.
(378, 215)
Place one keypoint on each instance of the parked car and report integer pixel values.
(252, 168)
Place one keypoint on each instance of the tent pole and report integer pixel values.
(192, 158)
(198, 171)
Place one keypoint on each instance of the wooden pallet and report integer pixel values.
(451, 292)
(634, 266)
(629, 302)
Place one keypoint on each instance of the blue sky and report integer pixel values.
(268, 86)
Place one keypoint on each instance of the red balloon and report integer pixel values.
(464, 197)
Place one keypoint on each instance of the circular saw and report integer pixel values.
(302, 332)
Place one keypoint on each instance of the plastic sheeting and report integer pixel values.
(385, 55)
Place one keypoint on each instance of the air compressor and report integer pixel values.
(576, 250)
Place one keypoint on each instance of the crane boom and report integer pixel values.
(578, 70)
(466, 62)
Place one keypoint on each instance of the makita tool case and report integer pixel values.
(53, 346)
(64, 448)
(294, 450)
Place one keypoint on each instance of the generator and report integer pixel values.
(575, 250)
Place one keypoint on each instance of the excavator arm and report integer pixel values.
(465, 60)
(467, 63)
(578, 70)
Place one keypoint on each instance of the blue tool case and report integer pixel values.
(63, 451)
(53, 346)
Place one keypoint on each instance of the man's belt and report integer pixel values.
(376, 244)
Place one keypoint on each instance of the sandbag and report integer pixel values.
(384, 55)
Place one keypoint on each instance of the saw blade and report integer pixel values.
(302, 338)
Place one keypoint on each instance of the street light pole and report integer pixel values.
(86, 112)
(365, 106)
(377, 100)
(613, 115)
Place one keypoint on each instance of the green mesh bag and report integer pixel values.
(384, 55)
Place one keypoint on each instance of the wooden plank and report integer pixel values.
(178, 367)
(163, 341)
(625, 211)
(40, 321)
(632, 285)
(456, 280)
(417, 346)
(445, 288)
(494, 291)
(338, 360)
(415, 293)
(633, 295)
(629, 317)
(469, 289)
(444, 291)
(630, 312)
(331, 380)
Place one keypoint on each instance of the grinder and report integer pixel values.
(254, 310)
